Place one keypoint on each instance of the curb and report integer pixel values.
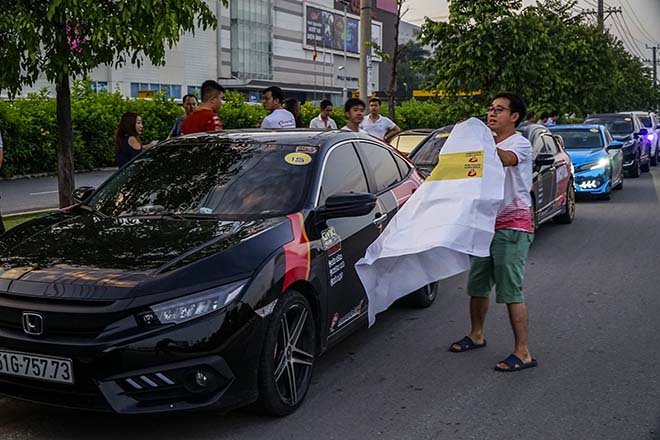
(37, 211)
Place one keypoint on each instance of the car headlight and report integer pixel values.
(193, 306)
(602, 163)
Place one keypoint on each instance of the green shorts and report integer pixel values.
(504, 268)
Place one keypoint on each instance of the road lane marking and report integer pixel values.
(45, 192)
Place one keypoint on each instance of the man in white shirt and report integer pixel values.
(272, 98)
(323, 121)
(354, 109)
(379, 126)
(514, 231)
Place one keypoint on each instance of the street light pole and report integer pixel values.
(345, 91)
(365, 50)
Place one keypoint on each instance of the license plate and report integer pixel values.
(37, 367)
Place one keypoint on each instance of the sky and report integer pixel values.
(637, 26)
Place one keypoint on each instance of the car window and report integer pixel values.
(581, 138)
(381, 164)
(549, 146)
(343, 173)
(404, 167)
(608, 137)
(204, 177)
(537, 144)
(646, 121)
(427, 154)
(617, 125)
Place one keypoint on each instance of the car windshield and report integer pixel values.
(202, 177)
(646, 120)
(407, 142)
(616, 125)
(427, 154)
(581, 138)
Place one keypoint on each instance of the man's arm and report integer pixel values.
(393, 132)
(508, 158)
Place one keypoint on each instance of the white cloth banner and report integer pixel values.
(450, 217)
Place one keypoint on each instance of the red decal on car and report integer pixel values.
(296, 253)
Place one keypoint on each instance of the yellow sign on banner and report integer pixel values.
(453, 166)
(434, 93)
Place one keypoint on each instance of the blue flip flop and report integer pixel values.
(515, 364)
(466, 344)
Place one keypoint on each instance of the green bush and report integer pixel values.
(30, 136)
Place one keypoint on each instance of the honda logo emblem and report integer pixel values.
(33, 323)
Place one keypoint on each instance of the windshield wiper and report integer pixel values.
(92, 210)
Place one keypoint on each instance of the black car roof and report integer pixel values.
(303, 136)
(608, 115)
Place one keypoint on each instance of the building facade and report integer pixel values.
(309, 48)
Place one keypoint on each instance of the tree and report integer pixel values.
(408, 77)
(544, 53)
(64, 39)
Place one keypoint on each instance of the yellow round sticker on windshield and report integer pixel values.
(627, 119)
(298, 158)
(593, 130)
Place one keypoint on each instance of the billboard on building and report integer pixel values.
(325, 30)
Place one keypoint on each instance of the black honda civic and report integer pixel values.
(210, 272)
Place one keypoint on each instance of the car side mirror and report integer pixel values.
(615, 145)
(82, 193)
(544, 160)
(351, 204)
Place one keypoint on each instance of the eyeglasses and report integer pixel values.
(496, 109)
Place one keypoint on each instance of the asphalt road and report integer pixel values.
(33, 194)
(593, 291)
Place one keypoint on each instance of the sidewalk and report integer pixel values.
(34, 194)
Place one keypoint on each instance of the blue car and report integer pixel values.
(597, 158)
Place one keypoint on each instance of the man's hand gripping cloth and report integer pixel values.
(450, 217)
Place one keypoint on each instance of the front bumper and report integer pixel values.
(592, 182)
(154, 373)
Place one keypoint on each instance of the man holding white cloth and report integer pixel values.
(514, 232)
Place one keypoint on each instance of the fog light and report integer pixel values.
(201, 379)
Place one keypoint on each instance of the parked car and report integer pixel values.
(407, 140)
(628, 129)
(553, 194)
(597, 158)
(650, 122)
(211, 271)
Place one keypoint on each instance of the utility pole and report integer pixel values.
(365, 49)
(602, 13)
(655, 63)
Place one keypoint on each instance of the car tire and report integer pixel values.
(422, 298)
(287, 359)
(568, 215)
(636, 169)
(535, 222)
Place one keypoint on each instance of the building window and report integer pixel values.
(100, 86)
(251, 39)
(170, 90)
(195, 90)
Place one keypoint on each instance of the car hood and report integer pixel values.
(585, 155)
(103, 258)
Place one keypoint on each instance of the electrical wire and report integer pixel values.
(641, 25)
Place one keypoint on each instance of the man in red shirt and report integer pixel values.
(206, 118)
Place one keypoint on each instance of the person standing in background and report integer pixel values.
(206, 118)
(189, 103)
(377, 125)
(293, 106)
(323, 121)
(278, 117)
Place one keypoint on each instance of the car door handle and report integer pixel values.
(380, 218)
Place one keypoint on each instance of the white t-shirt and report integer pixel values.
(379, 128)
(317, 122)
(515, 212)
(279, 118)
(360, 129)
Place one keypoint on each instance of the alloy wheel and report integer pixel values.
(293, 355)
